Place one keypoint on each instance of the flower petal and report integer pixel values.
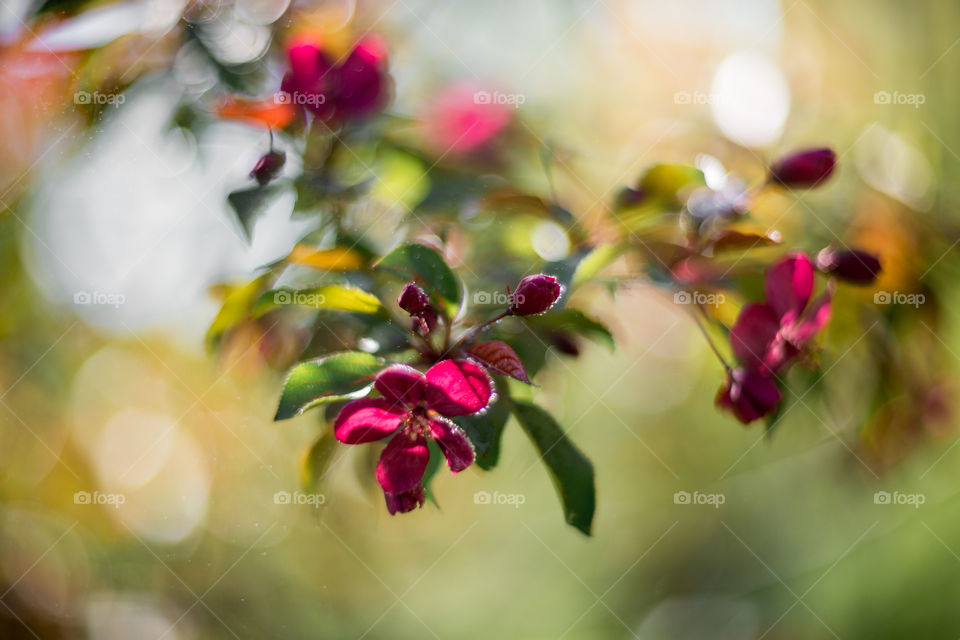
(457, 388)
(402, 463)
(748, 394)
(401, 384)
(454, 443)
(405, 502)
(754, 332)
(813, 320)
(367, 419)
(788, 286)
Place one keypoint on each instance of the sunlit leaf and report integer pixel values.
(666, 180)
(270, 114)
(326, 379)
(236, 307)
(333, 297)
(333, 259)
(595, 261)
(570, 470)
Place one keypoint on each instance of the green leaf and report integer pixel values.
(332, 297)
(570, 470)
(433, 466)
(595, 261)
(423, 264)
(575, 321)
(485, 431)
(236, 308)
(317, 461)
(326, 379)
(249, 204)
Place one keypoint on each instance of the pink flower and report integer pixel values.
(771, 334)
(415, 408)
(463, 119)
(354, 89)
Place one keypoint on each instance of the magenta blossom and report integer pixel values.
(415, 408)
(771, 334)
(355, 88)
(748, 393)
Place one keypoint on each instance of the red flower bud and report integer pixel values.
(852, 265)
(804, 168)
(749, 394)
(268, 166)
(416, 302)
(535, 294)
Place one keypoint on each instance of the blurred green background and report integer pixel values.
(115, 397)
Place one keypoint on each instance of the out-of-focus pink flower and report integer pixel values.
(415, 408)
(749, 394)
(852, 265)
(773, 333)
(806, 168)
(463, 119)
(353, 89)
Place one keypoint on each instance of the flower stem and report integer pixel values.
(713, 347)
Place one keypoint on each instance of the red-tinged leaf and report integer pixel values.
(499, 357)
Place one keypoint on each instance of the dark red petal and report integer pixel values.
(401, 384)
(754, 332)
(405, 502)
(748, 394)
(788, 286)
(403, 463)
(457, 388)
(454, 443)
(806, 168)
(367, 419)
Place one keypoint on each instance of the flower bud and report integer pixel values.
(852, 265)
(416, 302)
(268, 166)
(804, 168)
(535, 294)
